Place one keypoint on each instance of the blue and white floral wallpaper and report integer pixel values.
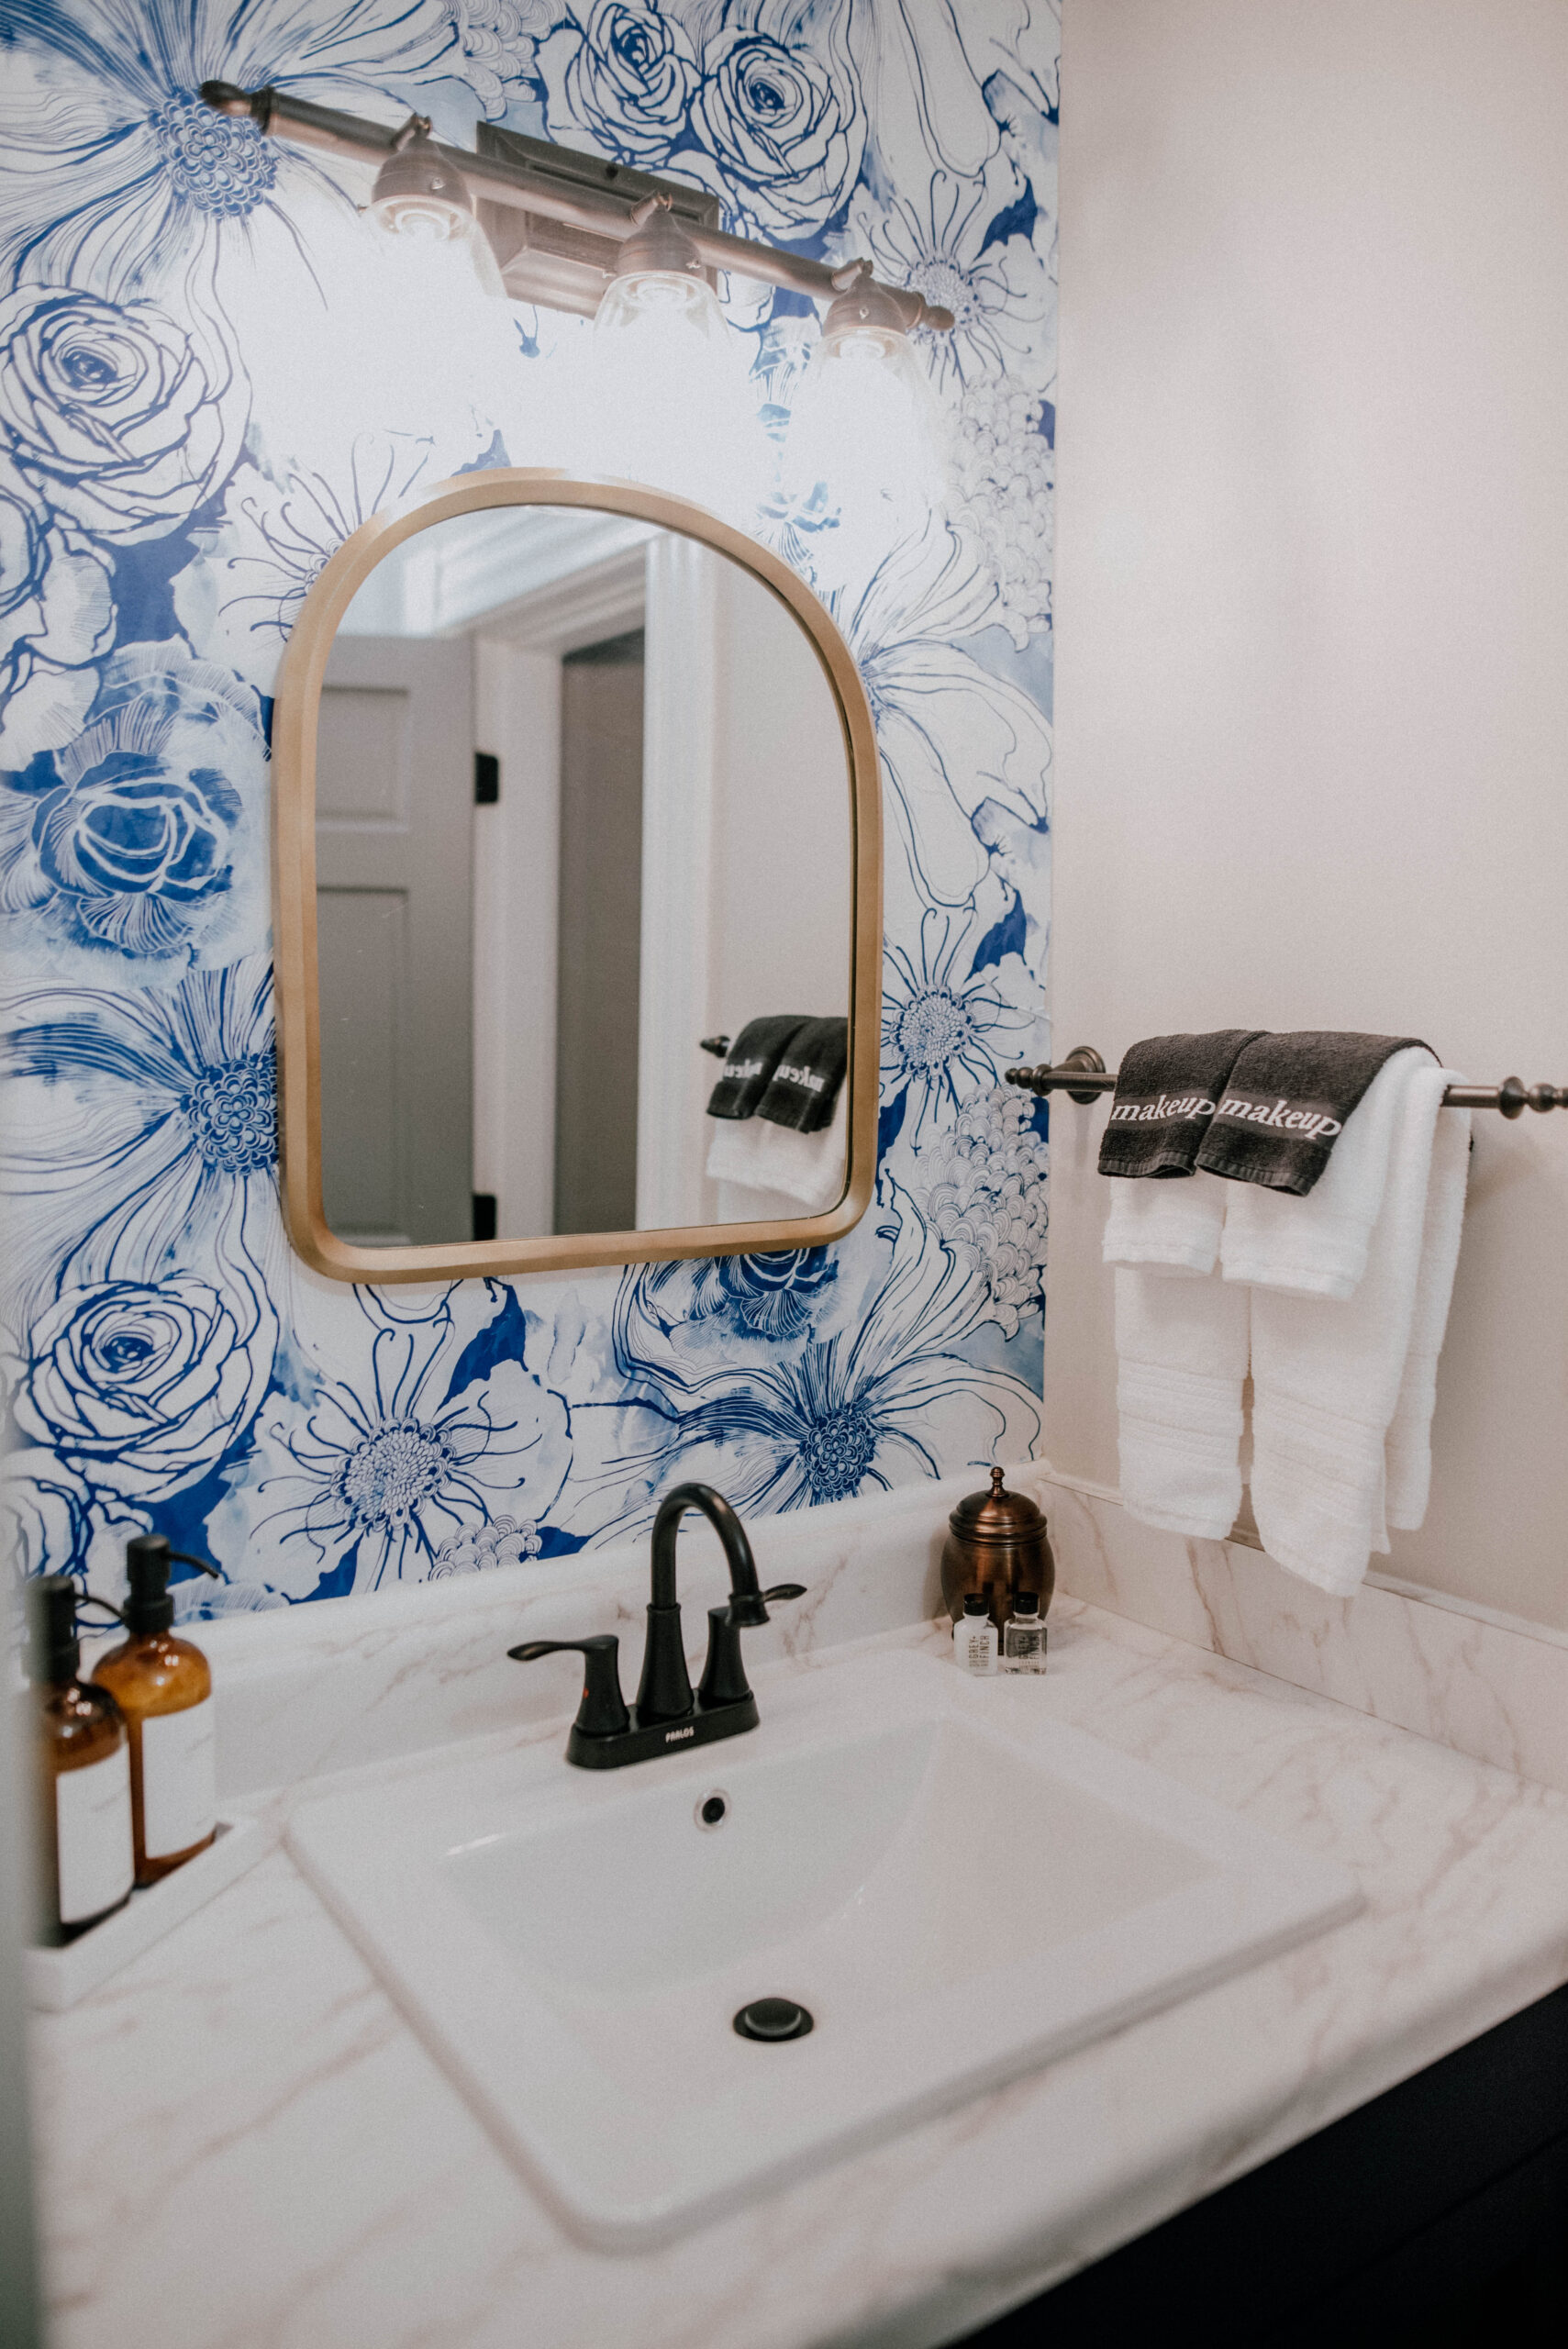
(210, 372)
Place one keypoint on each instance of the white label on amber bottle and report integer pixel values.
(179, 1780)
(92, 1831)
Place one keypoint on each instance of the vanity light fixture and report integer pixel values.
(554, 217)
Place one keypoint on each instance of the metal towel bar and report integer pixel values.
(1084, 1076)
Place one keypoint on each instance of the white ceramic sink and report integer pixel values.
(958, 1887)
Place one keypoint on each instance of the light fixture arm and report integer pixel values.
(494, 181)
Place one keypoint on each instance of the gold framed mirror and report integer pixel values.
(691, 844)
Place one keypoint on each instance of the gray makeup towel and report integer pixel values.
(1286, 1101)
(805, 1083)
(749, 1071)
(1167, 1089)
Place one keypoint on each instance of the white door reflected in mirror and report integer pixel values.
(583, 802)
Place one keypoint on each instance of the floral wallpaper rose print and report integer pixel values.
(211, 371)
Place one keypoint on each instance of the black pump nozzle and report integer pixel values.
(147, 1558)
(53, 1651)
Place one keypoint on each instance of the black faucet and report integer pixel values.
(668, 1715)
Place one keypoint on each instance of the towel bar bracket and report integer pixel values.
(1084, 1077)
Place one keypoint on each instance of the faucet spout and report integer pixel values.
(664, 1692)
(746, 1597)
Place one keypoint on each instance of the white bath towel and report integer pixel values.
(1181, 1359)
(1317, 1245)
(769, 1158)
(1176, 1223)
(1408, 1451)
(1327, 1371)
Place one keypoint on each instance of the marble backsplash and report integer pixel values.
(1467, 1677)
(306, 1690)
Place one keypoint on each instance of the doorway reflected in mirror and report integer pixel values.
(582, 801)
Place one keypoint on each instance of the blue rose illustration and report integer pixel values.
(21, 552)
(45, 1513)
(785, 136)
(127, 839)
(139, 1388)
(59, 621)
(112, 413)
(626, 77)
(766, 1297)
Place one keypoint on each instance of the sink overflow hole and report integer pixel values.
(774, 2018)
(713, 1809)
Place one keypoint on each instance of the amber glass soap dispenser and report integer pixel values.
(82, 1769)
(164, 1687)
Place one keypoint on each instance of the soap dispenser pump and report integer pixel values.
(81, 1765)
(164, 1687)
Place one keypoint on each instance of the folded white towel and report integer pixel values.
(1408, 1449)
(1317, 1245)
(1181, 1359)
(1175, 1223)
(1327, 1372)
(765, 1157)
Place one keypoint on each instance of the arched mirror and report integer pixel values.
(578, 910)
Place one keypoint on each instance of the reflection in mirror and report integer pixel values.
(583, 802)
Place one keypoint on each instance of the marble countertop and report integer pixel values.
(242, 2143)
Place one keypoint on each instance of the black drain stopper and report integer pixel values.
(773, 2019)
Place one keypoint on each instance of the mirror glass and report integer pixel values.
(583, 805)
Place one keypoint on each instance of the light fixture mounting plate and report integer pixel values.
(553, 263)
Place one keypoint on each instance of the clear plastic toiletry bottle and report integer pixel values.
(975, 1640)
(1023, 1642)
(82, 1762)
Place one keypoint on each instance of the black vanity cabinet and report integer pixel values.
(1436, 2215)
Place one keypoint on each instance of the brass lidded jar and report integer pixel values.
(998, 1541)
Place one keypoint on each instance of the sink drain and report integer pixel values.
(773, 2019)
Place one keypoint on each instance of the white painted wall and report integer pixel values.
(747, 866)
(783, 864)
(784, 857)
(1313, 635)
(517, 863)
(679, 789)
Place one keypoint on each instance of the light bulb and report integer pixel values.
(865, 430)
(416, 216)
(421, 201)
(417, 193)
(663, 396)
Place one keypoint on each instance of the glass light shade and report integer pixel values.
(866, 431)
(422, 202)
(419, 212)
(432, 240)
(663, 395)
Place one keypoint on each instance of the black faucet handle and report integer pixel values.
(602, 1712)
(724, 1675)
(748, 1610)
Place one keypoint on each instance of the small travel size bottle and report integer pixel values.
(974, 1641)
(1023, 1642)
(81, 1764)
(164, 1687)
